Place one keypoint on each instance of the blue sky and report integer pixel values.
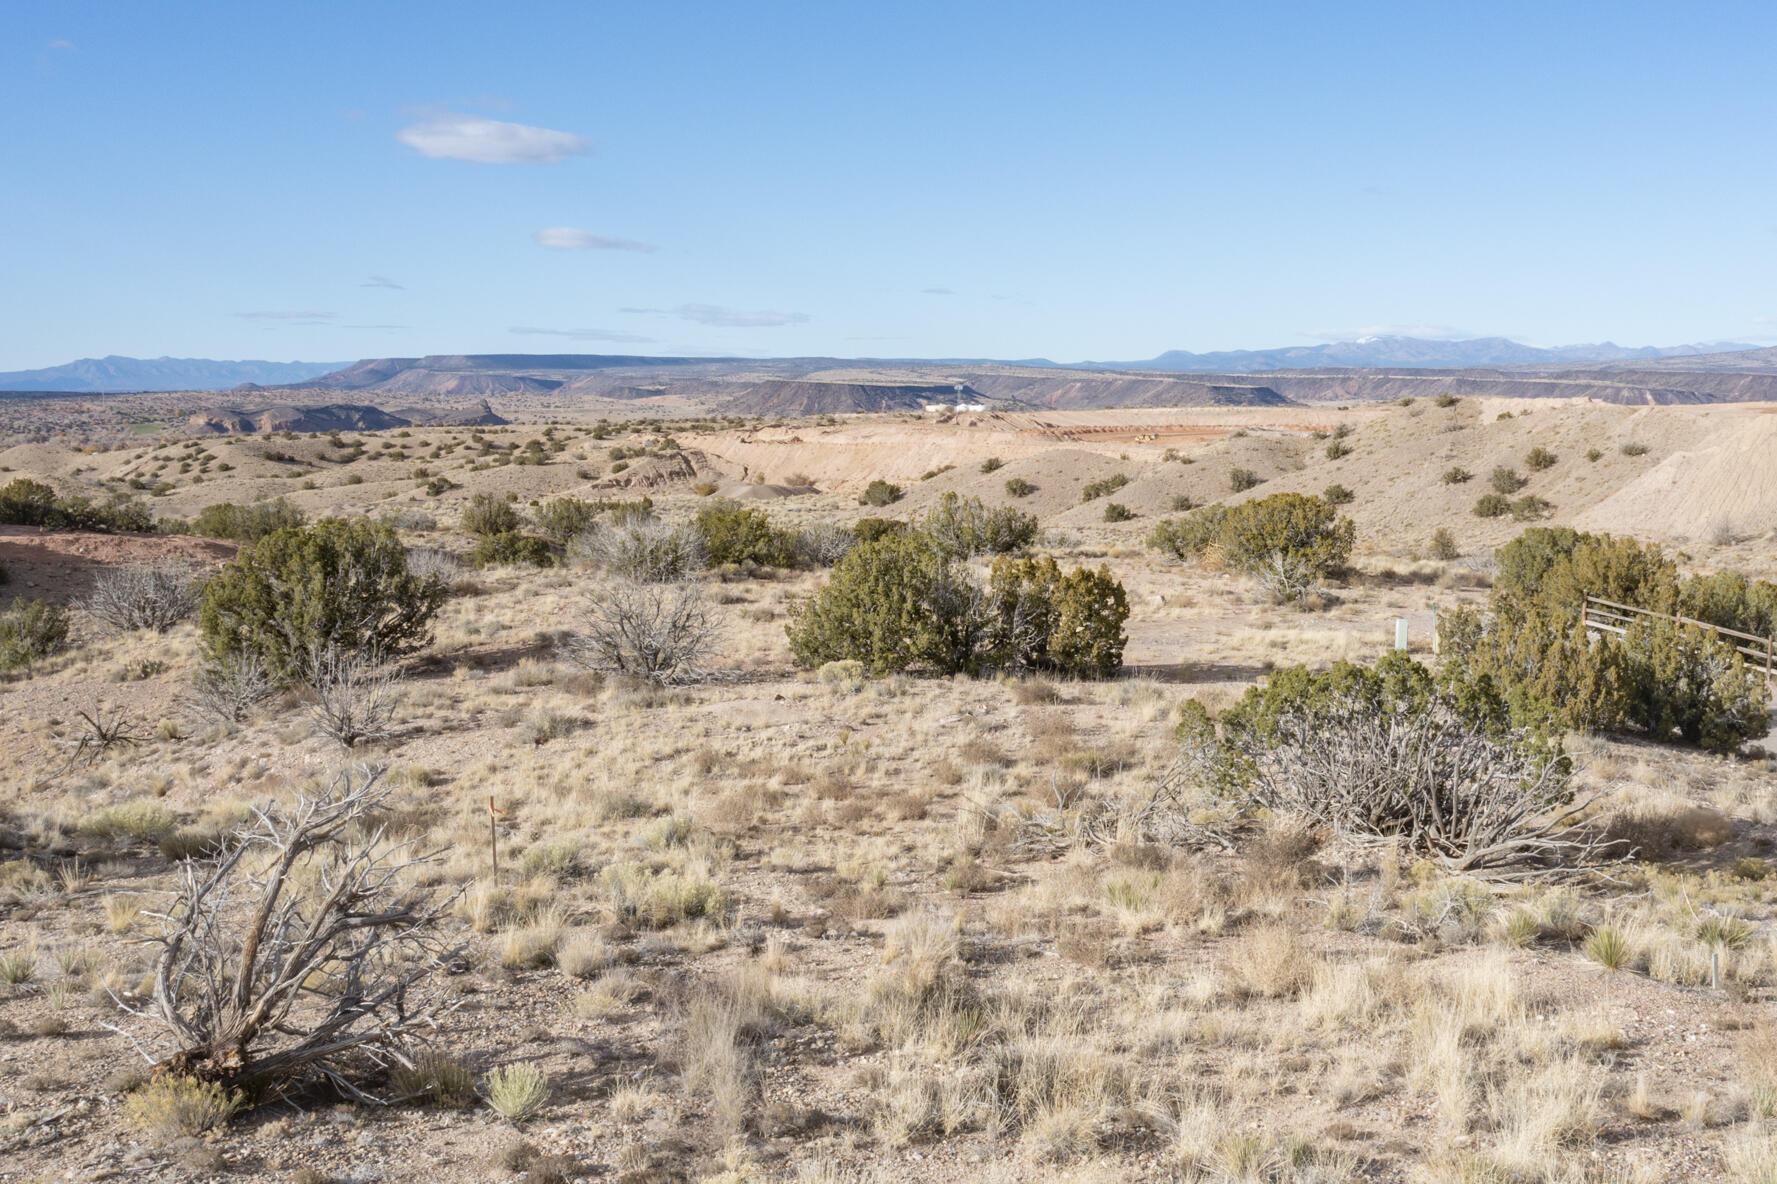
(332, 181)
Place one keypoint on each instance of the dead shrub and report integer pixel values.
(354, 695)
(1270, 960)
(1655, 830)
(134, 596)
(229, 687)
(660, 632)
(978, 750)
(300, 949)
(1087, 945)
(906, 807)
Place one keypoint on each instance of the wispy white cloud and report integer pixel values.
(491, 141)
(373, 326)
(288, 315)
(382, 281)
(567, 238)
(582, 334)
(938, 291)
(61, 44)
(738, 318)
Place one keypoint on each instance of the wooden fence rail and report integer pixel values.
(1607, 616)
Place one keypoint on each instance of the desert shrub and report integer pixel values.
(1182, 503)
(562, 518)
(1446, 400)
(992, 464)
(1530, 507)
(140, 820)
(261, 980)
(176, 1106)
(1554, 568)
(31, 630)
(965, 527)
(869, 530)
(1731, 600)
(647, 550)
(620, 512)
(1094, 490)
(1241, 480)
(1691, 683)
(1492, 505)
(879, 493)
(821, 544)
(516, 1092)
(1118, 512)
(1539, 458)
(490, 514)
(1290, 542)
(227, 688)
(1668, 680)
(1443, 544)
(901, 601)
(246, 524)
(1337, 495)
(24, 502)
(1337, 449)
(143, 596)
(354, 695)
(662, 632)
(1189, 537)
(433, 563)
(1303, 528)
(1040, 619)
(511, 548)
(1457, 475)
(733, 533)
(337, 583)
(1390, 753)
(1019, 487)
(847, 675)
(1505, 479)
(436, 1077)
(1633, 448)
(905, 602)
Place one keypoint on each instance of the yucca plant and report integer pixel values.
(1608, 947)
(517, 1091)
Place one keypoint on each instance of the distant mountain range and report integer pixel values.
(1415, 352)
(117, 374)
(605, 375)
